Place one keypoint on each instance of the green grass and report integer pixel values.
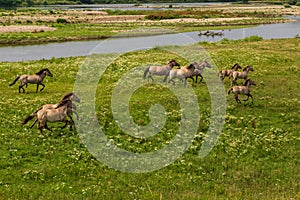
(256, 156)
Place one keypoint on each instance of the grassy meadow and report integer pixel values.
(256, 156)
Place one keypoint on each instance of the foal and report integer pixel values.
(245, 89)
(59, 114)
(228, 72)
(243, 74)
(160, 70)
(33, 79)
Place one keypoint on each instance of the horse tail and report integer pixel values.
(30, 117)
(146, 71)
(14, 81)
(27, 119)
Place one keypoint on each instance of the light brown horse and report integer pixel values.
(243, 74)
(69, 96)
(160, 70)
(33, 79)
(245, 89)
(228, 72)
(59, 114)
(183, 73)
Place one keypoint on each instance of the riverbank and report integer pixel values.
(35, 26)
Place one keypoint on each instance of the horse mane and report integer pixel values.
(247, 81)
(41, 71)
(248, 66)
(190, 66)
(234, 65)
(67, 95)
(62, 103)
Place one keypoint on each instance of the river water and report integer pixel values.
(84, 48)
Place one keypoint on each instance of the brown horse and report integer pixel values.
(198, 70)
(33, 79)
(245, 89)
(160, 70)
(69, 96)
(59, 114)
(243, 74)
(228, 72)
(183, 73)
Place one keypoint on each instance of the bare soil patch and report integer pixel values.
(32, 29)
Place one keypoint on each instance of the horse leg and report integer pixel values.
(41, 128)
(42, 87)
(71, 122)
(249, 95)
(150, 76)
(46, 126)
(166, 77)
(172, 81)
(201, 78)
(237, 98)
(66, 123)
(21, 86)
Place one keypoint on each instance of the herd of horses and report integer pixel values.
(195, 70)
(58, 112)
(65, 108)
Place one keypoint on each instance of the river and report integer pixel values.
(84, 48)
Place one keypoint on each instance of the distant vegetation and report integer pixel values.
(20, 3)
(15, 3)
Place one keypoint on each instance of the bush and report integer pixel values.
(61, 20)
(252, 38)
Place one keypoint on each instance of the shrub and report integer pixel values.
(252, 38)
(61, 20)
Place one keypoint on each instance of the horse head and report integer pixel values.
(71, 96)
(173, 63)
(203, 64)
(248, 68)
(47, 71)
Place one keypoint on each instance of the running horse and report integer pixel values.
(198, 70)
(71, 109)
(182, 73)
(244, 74)
(160, 70)
(59, 114)
(33, 79)
(228, 72)
(245, 89)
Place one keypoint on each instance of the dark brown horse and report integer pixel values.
(33, 79)
(245, 89)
